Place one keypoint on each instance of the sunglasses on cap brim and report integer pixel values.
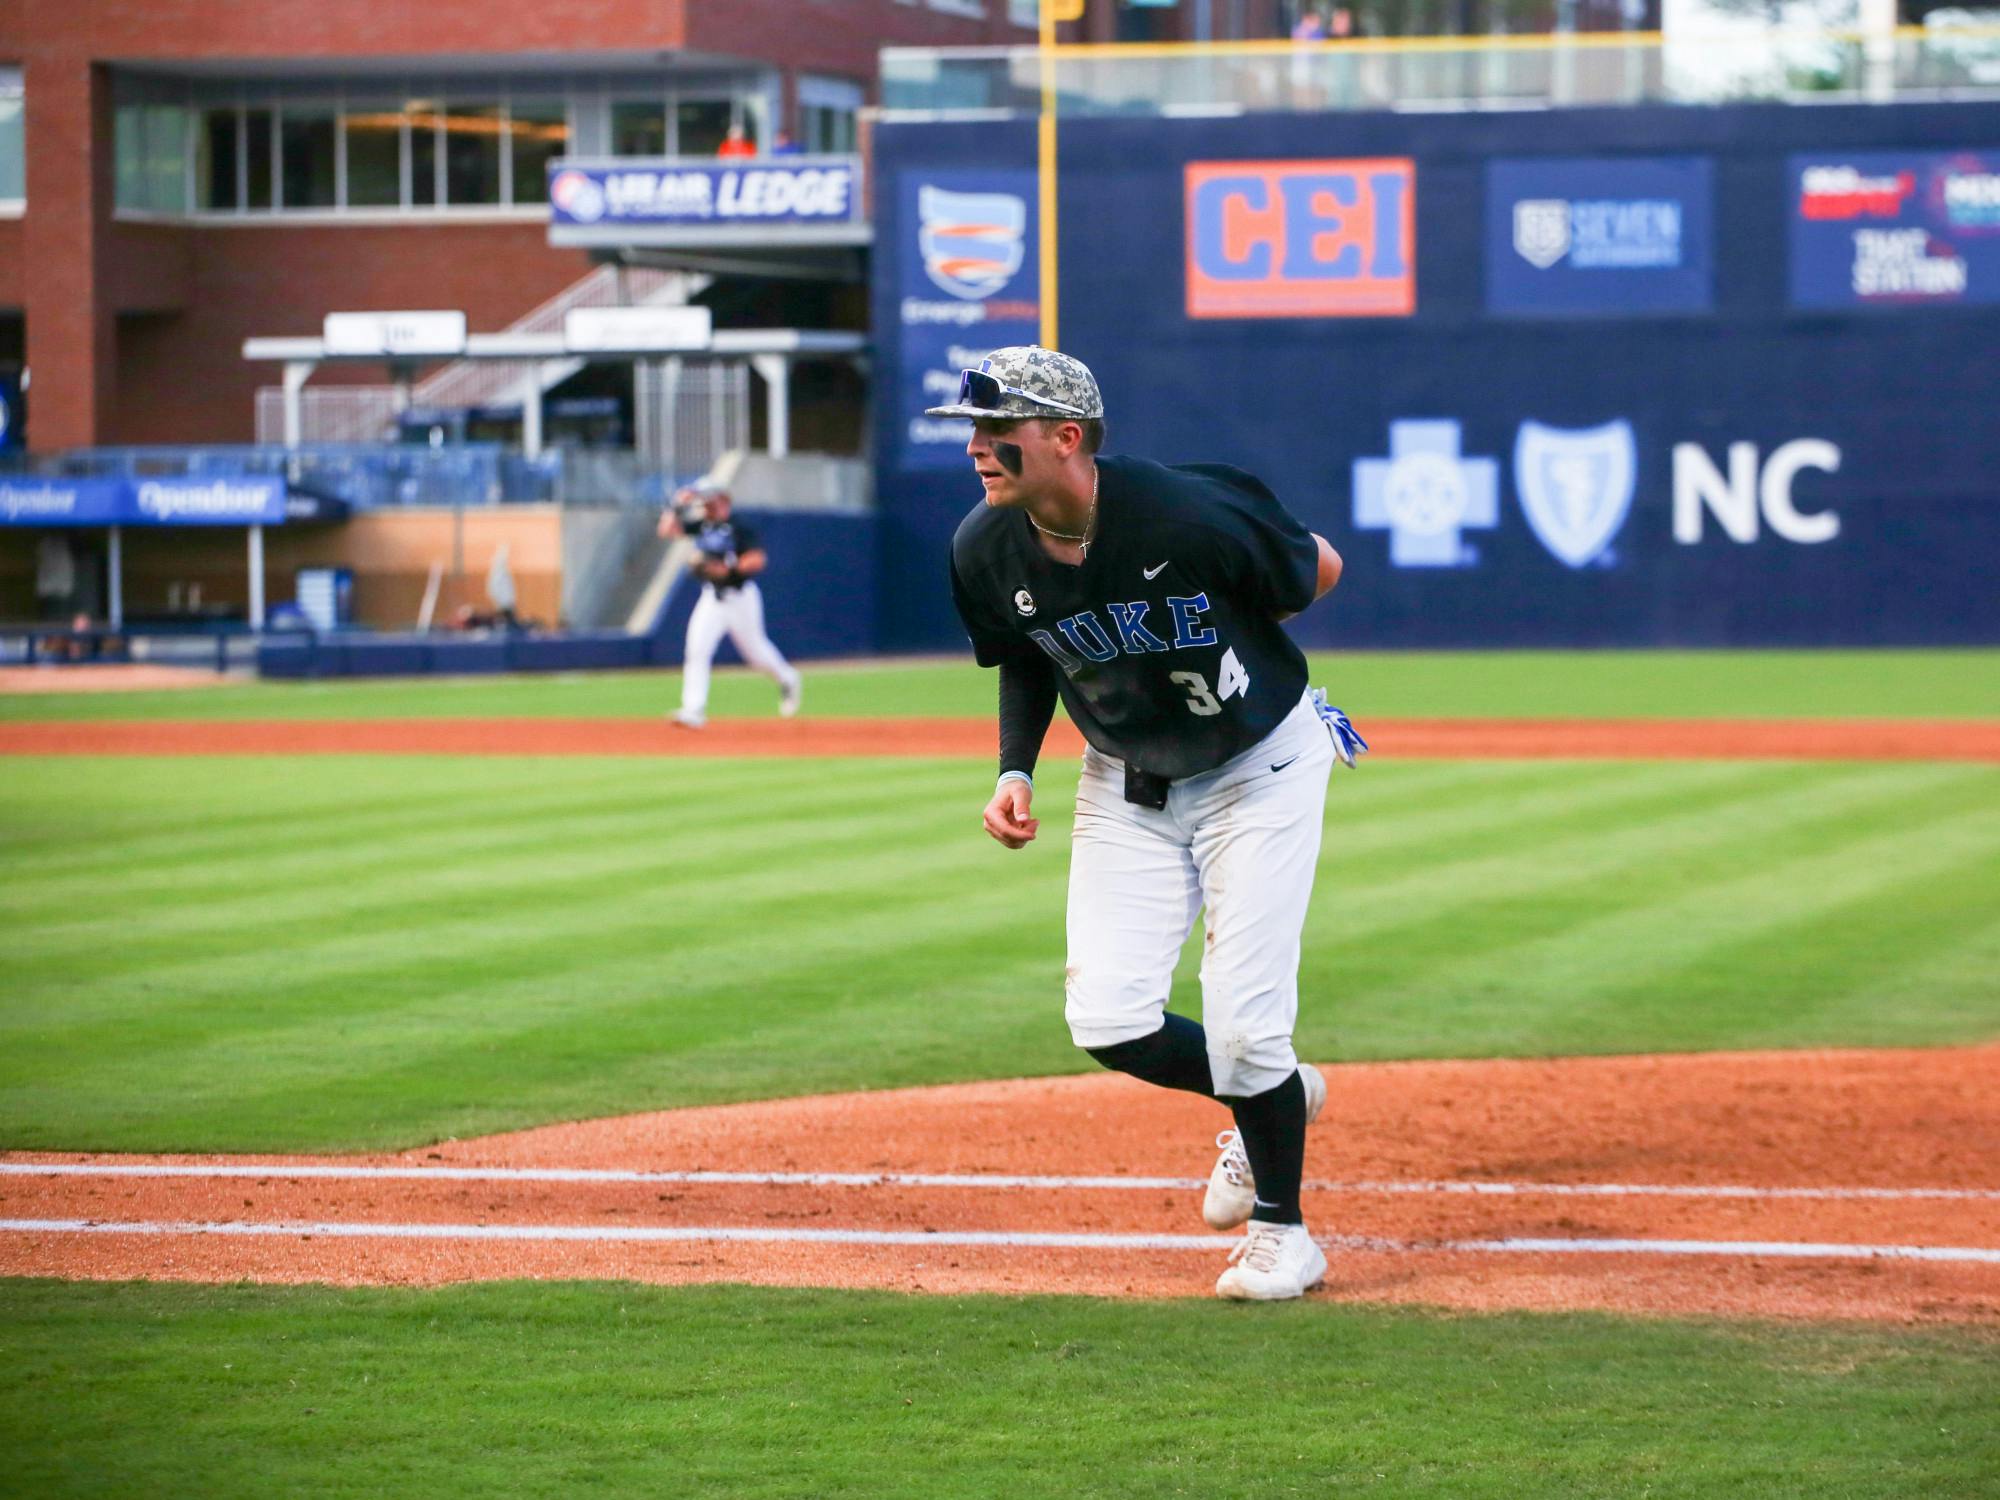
(980, 389)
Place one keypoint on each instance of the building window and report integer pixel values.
(149, 149)
(638, 127)
(423, 116)
(218, 160)
(258, 125)
(13, 152)
(700, 125)
(307, 156)
(374, 137)
(472, 145)
(826, 132)
(538, 133)
(827, 111)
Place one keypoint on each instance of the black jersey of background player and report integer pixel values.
(725, 541)
(1165, 640)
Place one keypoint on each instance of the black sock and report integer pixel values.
(1174, 1057)
(1273, 1127)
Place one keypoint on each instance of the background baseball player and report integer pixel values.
(728, 557)
(1149, 598)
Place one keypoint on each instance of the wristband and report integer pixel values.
(1007, 776)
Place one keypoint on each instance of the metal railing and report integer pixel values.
(1465, 72)
(367, 413)
(375, 475)
(687, 413)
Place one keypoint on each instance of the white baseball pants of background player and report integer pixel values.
(739, 614)
(1240, 842)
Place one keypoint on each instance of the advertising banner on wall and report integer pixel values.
(967, 280)
(242, 501)
(13, 414)
(1301, 239)
(638, 201)
(1895, 228)
(1599, 236)
(1518, 461)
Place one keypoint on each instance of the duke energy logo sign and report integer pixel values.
(1302, 239)
(971, 242)
(967, 282)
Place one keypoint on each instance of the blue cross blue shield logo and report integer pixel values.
(1576, 486)
(1426, 494)
(971, 242)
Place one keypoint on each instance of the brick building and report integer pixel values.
(176, 177)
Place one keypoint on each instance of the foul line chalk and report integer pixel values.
(281, 1171)
(595, 1234)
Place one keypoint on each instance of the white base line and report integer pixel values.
(301, 1172)
(1022, 1240)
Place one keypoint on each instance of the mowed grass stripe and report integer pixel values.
(1664, 831)
(758, 930)
(620, 832)
(664, 908)
(1922, 943)
(1515, 684)
(1603, 965)
(337, 931)
(104, 815)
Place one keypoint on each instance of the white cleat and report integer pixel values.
(1232, 1193)
(688, 720)
(1232, 1189)
(1275, 1263)
(789, 699)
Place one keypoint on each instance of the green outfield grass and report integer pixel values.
(343, 952)
(1527, 684)
(625, 1390)
(331, 952)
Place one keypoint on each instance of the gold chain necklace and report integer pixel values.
(1089, 520)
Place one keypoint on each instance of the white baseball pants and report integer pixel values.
(738, 613)
(1241, 843)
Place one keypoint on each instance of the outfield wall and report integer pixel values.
(1696, 376)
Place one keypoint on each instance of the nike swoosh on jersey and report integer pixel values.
(1283, 763)
(1154, 572)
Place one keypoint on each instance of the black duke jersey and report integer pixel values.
(1164, 640)
(725, 541)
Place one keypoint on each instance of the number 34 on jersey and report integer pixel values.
(1232, 682)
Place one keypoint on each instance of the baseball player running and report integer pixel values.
(1148, 599)
(728, 557)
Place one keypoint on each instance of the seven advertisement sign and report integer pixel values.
(1895, 229)
(1570, 235)
(967, 283)
(1301, 239)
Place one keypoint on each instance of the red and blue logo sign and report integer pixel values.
(1302, 239)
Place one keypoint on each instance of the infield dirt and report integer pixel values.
(1416, 1172)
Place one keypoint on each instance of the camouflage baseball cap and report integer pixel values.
(1026, 381)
